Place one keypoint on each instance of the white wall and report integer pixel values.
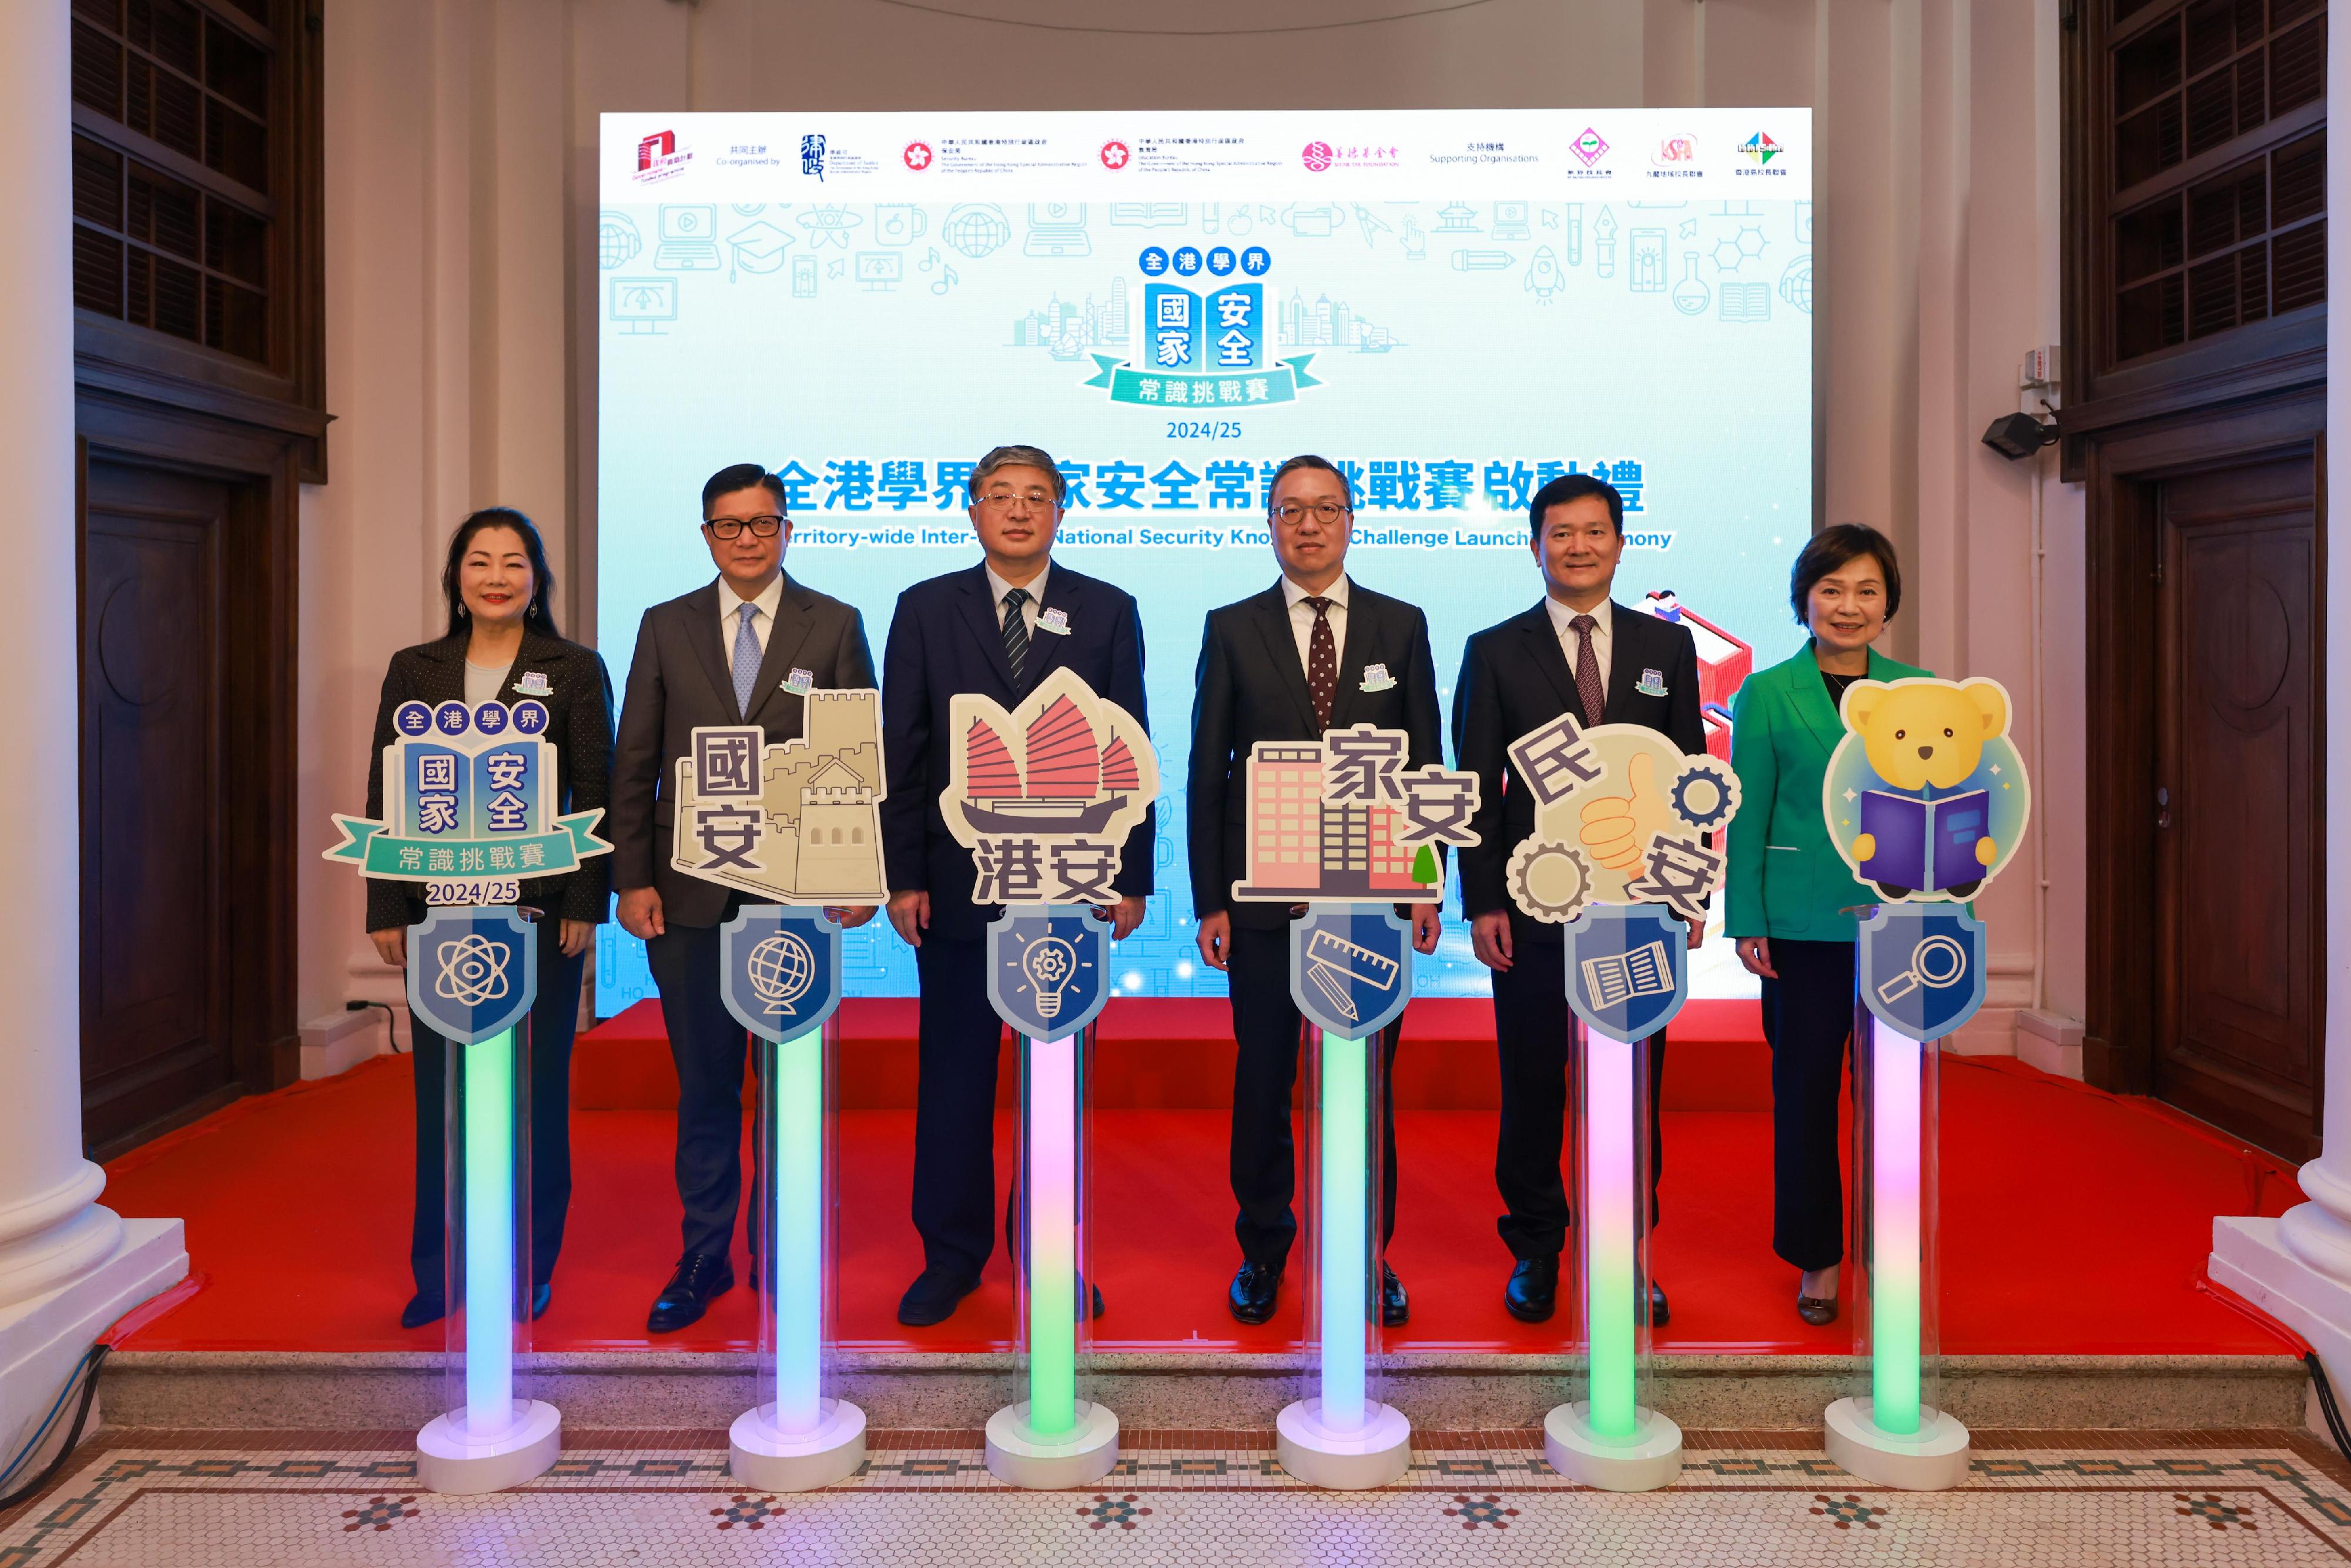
(461, 343)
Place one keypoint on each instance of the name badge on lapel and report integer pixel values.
(800, 681)
(534, 684)
(1377, 679)
(1653, 683)
(1055, 621)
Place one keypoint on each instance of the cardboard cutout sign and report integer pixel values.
(1926, 796)
(780, 969)
(1340, 820)
(470, 972)
(469, 800)
(1621, 817)
(1922, 967)
(1044, 796)
(796, 823)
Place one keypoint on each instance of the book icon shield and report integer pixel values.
(1627, 973)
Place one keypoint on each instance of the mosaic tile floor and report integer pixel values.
(2071, 1499)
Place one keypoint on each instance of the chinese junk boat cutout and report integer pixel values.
(1074, 787)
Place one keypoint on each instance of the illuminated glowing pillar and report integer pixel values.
(488, 1133)
(1052, 1195)
(795, 1156)
(1345, 1186)
(1612, 1280)
(1896, 1262)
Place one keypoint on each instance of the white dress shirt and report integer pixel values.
(1302, 616)
(763, 616)
(1604, 636)
(1028, 612)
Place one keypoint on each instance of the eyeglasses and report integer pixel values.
(1289, 514)
(765, 527)
(1003, 501)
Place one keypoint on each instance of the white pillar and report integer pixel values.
(2299, 1267)
(67, 1266)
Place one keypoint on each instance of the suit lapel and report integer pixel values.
(1626, 654)
(785, 638)
(442, 679)
(979, 614)
(1545, 651)
(1064, 591)
(1812, 699)
(1353, 654)
(1272, 618)
(707, 629)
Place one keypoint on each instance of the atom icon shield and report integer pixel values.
(472, 970)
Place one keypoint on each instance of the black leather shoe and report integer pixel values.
(1256, 1291)
(1659, 1313)
(1394, 1309)
(540, 1295)
(933, 1297)
(1098, 1303)
(700, 1278)
(1532, 1293)
(421, 1310)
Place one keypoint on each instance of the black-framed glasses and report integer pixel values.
(762, 528)
(1328, 513)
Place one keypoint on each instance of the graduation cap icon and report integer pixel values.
(757, 247)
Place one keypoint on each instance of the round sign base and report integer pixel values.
(1934, 1460)
(1080, 1457)
(1651, 1457)
(1376, 1454)
(761, 1454)
(455, 1461)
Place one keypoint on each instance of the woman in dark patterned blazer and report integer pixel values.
(502, 644)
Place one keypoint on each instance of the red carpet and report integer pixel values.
(2074, 1221)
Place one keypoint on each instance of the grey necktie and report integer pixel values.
(1016, 631)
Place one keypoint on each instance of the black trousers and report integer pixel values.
(1808, 1023)
(959, 1039)
(554, 1019)
(1531, 1034)
(1266, 1029)
(708, 1045)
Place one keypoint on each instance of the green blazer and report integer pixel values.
(1786, 878)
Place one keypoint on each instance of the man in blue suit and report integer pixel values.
(998, 628)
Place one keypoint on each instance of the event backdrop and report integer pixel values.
(1453, 306)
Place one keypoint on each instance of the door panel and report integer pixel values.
(155, 1034)
(2239, 854)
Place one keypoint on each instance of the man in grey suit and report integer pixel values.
(722, 654)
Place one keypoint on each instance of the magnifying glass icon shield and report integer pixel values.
(1937, 963)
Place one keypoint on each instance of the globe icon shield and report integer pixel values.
(781, 969)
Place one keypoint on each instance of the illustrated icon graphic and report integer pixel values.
(799, 822)
(781, 968)
(1334, 965)
(1048, 968)
(1628, 974)
(1926, 796)
(1051, 964)
(1350, 967)
(1621, 817)
(472, 971)
(1921, 968)
(1342, 819)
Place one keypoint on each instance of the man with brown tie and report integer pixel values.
(1316, 651)
(1574, 652)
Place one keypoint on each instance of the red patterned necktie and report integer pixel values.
(1588, 671)
(1322, 662)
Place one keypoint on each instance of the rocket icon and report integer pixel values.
(1544, 277)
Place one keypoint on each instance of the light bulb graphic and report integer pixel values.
(1048, 962)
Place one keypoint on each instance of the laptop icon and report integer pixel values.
(1510, 221)
(1057, 228)
(689, 239)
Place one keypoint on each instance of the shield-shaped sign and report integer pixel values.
(1048, 968)
(471, 970)
(1350, 967)
(780, 969)
(1627, 973)
(1922, 967)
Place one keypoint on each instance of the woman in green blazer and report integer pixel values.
(1791, 896)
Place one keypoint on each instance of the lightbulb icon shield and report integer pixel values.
(782, 969)
(1045, 971)
(470, 974)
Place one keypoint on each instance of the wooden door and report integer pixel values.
(157, 1045)
(2240, 849)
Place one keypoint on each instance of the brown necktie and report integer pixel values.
(1322, 662)
(1588, 671)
